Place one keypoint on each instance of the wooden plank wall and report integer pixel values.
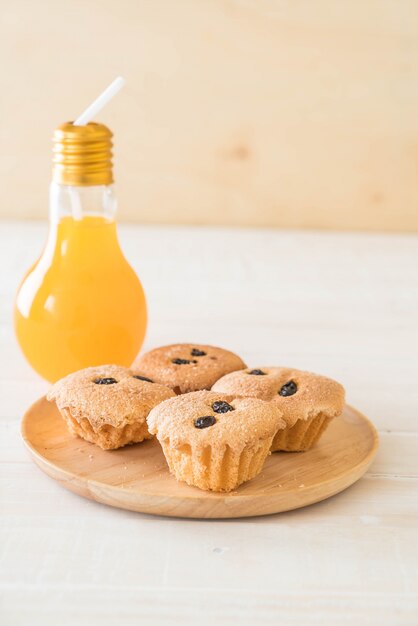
(240, 112)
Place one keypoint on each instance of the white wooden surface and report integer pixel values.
(345, 305)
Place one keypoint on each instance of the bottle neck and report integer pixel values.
(82, 229)
(68, 201)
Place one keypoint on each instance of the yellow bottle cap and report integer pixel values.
(82, 155)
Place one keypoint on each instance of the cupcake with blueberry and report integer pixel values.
(308, 401)
(215, 441)
(108, 405)
(187, 367)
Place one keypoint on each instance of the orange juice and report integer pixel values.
(81, 304)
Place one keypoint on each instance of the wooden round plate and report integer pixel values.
(137, 478)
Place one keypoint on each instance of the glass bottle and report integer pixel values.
(81, 303)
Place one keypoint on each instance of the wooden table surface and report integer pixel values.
(345, 305)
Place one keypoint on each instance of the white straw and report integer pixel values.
(84, 118)
(76, 206)
(100, 102)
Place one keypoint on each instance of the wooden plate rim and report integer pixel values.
(70, 478)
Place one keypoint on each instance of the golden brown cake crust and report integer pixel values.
(106, 437)
(315, 394)
(128, 401)
(251, 420)
(206, 364)
(228, 451)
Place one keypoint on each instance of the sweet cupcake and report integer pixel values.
(186, 367)
(215, 441)
(308, 401)
(107, 405)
